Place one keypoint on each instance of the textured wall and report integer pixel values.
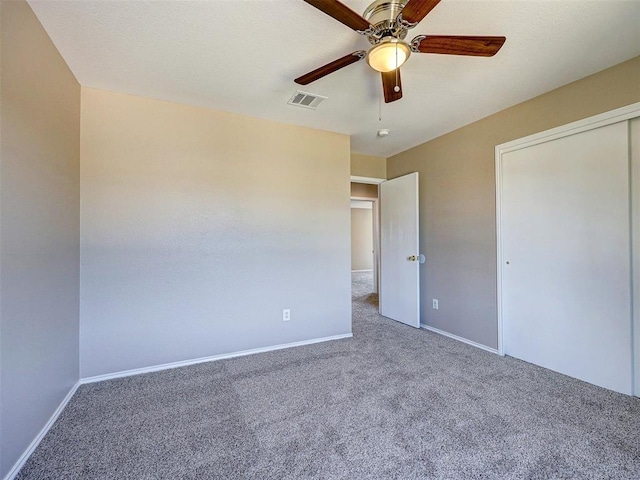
(199, 227)
(457, 196)
(39, 224)
(368, 166)
(361, 239)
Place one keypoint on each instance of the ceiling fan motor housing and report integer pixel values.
(382, 15)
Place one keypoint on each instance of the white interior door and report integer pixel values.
(565, 263)
(399, 266)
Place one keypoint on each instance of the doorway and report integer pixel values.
(396, 259)
(365, 238)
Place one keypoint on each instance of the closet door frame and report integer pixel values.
(614, 116)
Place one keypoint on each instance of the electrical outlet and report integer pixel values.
(286, 314)
(435, 304)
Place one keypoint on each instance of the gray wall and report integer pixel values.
(39, 225)
(457, 197)
(199, 227)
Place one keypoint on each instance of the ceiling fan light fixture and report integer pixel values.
(388, 55)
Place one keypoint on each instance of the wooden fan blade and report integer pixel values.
(342, 13)
(416, 10)
(389, 84)
(458, 45)
(330, 67)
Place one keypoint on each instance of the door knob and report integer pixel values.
(413, 258)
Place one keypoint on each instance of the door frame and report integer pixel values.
(614, 116)
(376, 224)
(375, 217)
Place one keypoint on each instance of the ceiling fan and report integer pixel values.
(386, 23)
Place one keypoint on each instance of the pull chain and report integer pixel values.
(397, 87)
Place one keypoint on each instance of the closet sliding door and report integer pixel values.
(634, 132)
(565, 263)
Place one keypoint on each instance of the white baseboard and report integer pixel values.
(460, 339)
(362, 271)
(36, 441)
(214, 358)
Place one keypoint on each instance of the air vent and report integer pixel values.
(306, 100)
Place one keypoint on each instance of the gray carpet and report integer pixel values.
(393, 402)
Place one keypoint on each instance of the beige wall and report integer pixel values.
(368, 166)
(457, 196)
(364, 190)
(197, 233)
(39, 225)
(361, 239)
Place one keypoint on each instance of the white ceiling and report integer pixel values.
(242, 56)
